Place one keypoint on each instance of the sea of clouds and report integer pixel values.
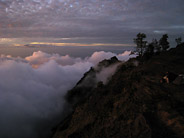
(32, 90)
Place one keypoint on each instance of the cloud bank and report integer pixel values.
(120, 19)
(32, 90)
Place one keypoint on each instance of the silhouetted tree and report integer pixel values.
(141, 44)
(157, 47)
(163, 42)
(178, 40)
(150, 49)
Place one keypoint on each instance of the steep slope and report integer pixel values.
(91, 79)
(133, 104)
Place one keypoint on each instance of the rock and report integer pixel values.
(133, 104)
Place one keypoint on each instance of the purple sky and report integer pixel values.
(88, 21)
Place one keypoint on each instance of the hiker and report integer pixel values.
(169, 77)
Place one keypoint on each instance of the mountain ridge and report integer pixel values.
(133, 104)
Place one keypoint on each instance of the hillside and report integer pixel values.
(133, 104)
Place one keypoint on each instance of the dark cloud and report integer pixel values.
(92, 18)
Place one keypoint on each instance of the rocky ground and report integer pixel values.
(133, 104)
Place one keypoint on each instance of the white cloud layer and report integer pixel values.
(32, 90)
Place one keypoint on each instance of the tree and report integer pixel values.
(141, 44)
(150, 49)
(163, 42)
(178, 40)
(157, 47)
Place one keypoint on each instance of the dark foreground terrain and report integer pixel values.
(133, 104)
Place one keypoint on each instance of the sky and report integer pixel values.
(33, 84)
(88, 22)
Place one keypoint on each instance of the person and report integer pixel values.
(169, 77)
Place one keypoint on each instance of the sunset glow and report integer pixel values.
(91, 68)
(78, 44)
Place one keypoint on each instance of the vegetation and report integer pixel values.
(133, 104)
(178, 40)
(145, 50)
(141, 44)
(156, 46)
(163, 42)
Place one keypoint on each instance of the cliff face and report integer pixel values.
(133, 104)
(93, 78)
